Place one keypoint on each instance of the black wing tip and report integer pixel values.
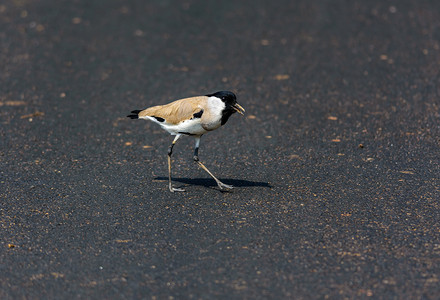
(135, 114)
(159, 119)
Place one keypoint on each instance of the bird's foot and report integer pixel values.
(173, 189)
(222, 186)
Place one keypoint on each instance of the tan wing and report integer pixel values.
(176, 111)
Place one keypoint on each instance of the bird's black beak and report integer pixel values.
(238, 108)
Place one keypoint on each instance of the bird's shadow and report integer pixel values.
(209, 182)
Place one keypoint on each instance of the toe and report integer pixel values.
(221, 185)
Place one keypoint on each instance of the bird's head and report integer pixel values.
(230, 101)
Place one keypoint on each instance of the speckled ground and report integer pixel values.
(336, 164)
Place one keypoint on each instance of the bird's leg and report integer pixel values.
(170, 151)
(220, 184)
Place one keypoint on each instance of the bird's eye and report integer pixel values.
(223, 98)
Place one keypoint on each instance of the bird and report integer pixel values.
(193, 116)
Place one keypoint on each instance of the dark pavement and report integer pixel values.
(336, 164)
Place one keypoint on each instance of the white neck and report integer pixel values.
(216, 105)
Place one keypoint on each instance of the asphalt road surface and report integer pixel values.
(335, 164)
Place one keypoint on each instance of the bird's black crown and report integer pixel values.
(226, 96)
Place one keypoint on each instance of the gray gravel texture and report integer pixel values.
(335, 165)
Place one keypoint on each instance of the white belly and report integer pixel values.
(191, 127)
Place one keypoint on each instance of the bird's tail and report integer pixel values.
(134, 115)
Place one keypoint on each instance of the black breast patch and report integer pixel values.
(198, 115)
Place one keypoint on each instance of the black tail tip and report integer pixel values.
(135, 114)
